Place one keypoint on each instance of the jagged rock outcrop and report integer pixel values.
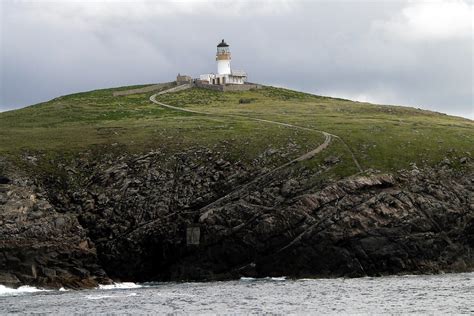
(128, 216)
(40, 246)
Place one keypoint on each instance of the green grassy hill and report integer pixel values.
(385, 138)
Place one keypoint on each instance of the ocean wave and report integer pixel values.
(122, 285)
(282, 278)
(248, 279)
(19, 291)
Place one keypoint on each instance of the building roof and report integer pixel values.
(223, 44)
(239, 73)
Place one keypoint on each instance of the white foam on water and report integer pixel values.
(282, 278)
(107, 296)
(97, 297)
(19, 291)
(124, 285)
(248, 279)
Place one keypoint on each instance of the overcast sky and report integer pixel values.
(417, 53)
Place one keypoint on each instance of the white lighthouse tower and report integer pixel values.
(225, 75)
(223, 59)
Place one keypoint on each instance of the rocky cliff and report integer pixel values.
(79, 222)
(41, 246)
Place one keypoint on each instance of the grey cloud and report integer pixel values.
(344, 49)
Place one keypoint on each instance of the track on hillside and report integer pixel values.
(306, 156)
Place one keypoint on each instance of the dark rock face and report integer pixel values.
(41, 246)
(355, 227)
(128, 218)
(4, 180)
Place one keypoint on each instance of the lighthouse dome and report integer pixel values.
(223, 44)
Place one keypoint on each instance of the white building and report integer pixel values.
(225, 74)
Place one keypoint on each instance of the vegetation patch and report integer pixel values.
(385, 138)
(246, 100)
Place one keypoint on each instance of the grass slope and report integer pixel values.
(385, 138)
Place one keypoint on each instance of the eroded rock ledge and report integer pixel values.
(126, 219)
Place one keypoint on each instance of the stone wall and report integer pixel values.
(177, 88)
(208, 86)
(146, 89)
(241, 87)
(229, 87)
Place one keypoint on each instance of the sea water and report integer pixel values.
(425, 294)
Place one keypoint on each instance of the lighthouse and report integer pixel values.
(223, 59)
(225, 74)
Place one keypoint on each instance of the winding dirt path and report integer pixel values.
(307, 156)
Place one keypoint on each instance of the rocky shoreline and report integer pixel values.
(129, 217)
